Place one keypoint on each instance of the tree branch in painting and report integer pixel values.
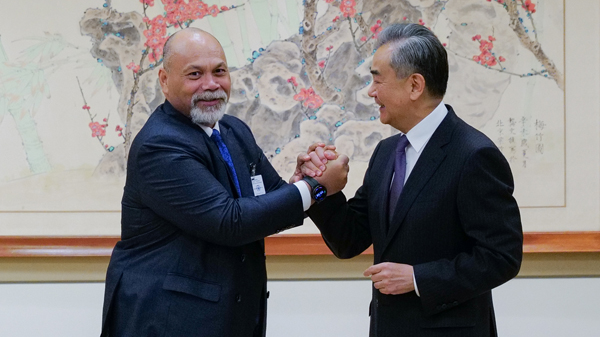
(119, 39)
(489, 59)
(310, 42)
(516, 23)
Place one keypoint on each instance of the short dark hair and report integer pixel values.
(415, 49)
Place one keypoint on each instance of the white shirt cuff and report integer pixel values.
(305, 193)
(415, 283)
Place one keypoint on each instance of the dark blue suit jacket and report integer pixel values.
(456, 222)
(191, 257)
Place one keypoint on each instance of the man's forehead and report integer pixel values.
(379, 61)
(199, 55)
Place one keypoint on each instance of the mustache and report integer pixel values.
(209, 96)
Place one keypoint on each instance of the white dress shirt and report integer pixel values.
(420, 134)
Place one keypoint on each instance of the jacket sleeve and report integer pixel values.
(178, 186)
(343, 224)
(489, 216)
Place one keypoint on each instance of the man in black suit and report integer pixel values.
(200, 197)
(452, 231)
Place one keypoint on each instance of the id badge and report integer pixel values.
(257, 185)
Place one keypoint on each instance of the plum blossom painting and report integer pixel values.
(80, 79)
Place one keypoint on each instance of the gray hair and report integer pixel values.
(415, 49)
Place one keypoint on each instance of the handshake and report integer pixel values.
(322, 163)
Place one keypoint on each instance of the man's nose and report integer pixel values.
(210, 83)
(371, 91)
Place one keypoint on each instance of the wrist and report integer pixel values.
(318, 192)
(312, 200)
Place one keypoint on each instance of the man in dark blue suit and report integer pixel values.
(436, 203)
(200, 196)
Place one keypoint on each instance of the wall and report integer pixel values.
(526, 307)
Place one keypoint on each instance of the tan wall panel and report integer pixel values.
(93, 269)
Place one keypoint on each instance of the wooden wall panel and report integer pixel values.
(277, 245)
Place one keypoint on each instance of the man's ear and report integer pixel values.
(417, 83)
(162, 78)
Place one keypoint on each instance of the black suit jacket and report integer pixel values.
(456, 222)
(191, 258)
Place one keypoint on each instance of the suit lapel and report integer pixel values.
(427, 164)
(213, 148)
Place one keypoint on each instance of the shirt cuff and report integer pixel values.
(415, 284)
(305, 193)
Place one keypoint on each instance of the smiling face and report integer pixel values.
(391, 93)
(196, 79)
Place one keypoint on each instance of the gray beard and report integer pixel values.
(208, 116)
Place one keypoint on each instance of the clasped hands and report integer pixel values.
(321, 162)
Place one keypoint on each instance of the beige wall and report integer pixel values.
(525, 307)
(93, 269)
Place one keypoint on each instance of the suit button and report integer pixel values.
(455, 303)
(243, 257)
(444, 306)
(238, 298)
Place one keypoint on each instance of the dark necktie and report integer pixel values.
(216, 136)
(399, 174)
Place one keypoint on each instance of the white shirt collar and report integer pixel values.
(209, 130)
(419, 135)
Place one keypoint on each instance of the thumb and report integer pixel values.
(374, 269)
